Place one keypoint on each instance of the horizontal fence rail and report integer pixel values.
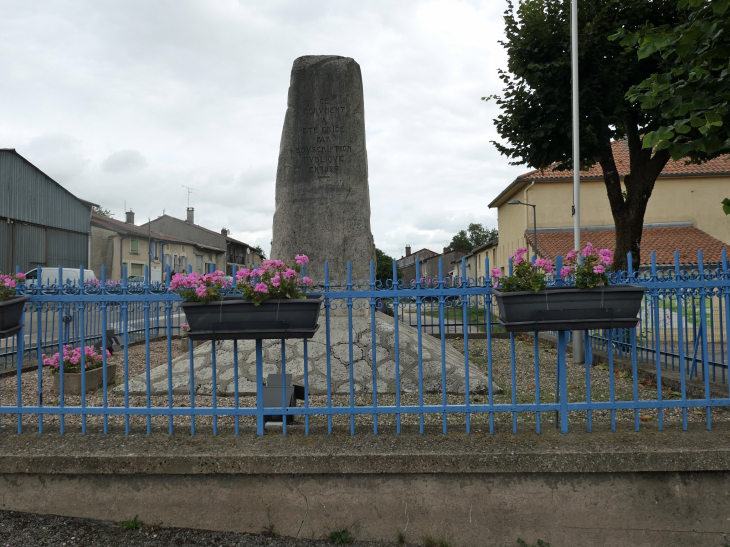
(684, 326)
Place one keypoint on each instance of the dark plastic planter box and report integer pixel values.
(10, 313)
(238, 319)
(568, 308)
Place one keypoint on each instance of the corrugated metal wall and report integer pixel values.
(6, 244)
(29, 246)
(27, 195)
(66, 249)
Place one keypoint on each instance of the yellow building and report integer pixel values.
(115, 244)
(685, 205)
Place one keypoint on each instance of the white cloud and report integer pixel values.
(128, 102)
(124, 161)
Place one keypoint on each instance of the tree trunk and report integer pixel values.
(628, 207)
(629, 229)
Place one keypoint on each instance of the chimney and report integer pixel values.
(408, 250)
(224, 232)
(191, 215)
(130, 217)
(446, 250)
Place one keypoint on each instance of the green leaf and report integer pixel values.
(650, 139)
(726, 206)
(720, 6)
(713, 118)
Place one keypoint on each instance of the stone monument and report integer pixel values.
(322, 196)
(323, 211)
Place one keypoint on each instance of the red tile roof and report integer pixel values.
(720, 165)
(664, 241)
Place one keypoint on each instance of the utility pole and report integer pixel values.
(578, 352)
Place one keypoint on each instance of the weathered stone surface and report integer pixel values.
(362, 369)
(322, 195)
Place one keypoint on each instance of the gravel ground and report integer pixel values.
(520, 389)
(31, 530)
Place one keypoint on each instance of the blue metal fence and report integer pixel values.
(691, 339)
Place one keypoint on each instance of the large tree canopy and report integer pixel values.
(535, 122)
(384, 267)
(693, 92)
(474, 236)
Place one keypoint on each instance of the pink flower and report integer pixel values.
(588, 250)
(571, 255)
(201, 291)
(242, 274)
(275, 281)
(606, 256)
(20, 275)
(261, 287)
(302, 259)
(599, 269)
(307, 281)
(517, 259)
(496, 272)
(545, 264)
(565, 271)
(289, 273)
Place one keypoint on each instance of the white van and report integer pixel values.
(49, 276)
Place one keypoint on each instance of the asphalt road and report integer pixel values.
(31, 530)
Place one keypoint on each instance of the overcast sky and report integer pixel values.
(127, 101)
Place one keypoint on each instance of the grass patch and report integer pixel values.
(133, 524)
(340, 537)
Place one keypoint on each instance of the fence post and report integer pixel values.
(563, 381)
(259, 387)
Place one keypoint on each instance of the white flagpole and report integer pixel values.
(578, 351)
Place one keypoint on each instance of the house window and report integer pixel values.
(134, 246)
(153, 250)
(136, 269)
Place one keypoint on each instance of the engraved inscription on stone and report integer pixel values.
(322, 151)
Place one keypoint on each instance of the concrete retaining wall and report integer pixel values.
(667, 488)
(475, 509)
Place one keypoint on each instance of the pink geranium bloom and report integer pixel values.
(307, 281)
(545, 264)
(302, 259)
(565, 271)
(261, 287)
(275, 281)
(201, 291)
(496, 272)
(599, 269)
(289, 273)
(571, 255)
